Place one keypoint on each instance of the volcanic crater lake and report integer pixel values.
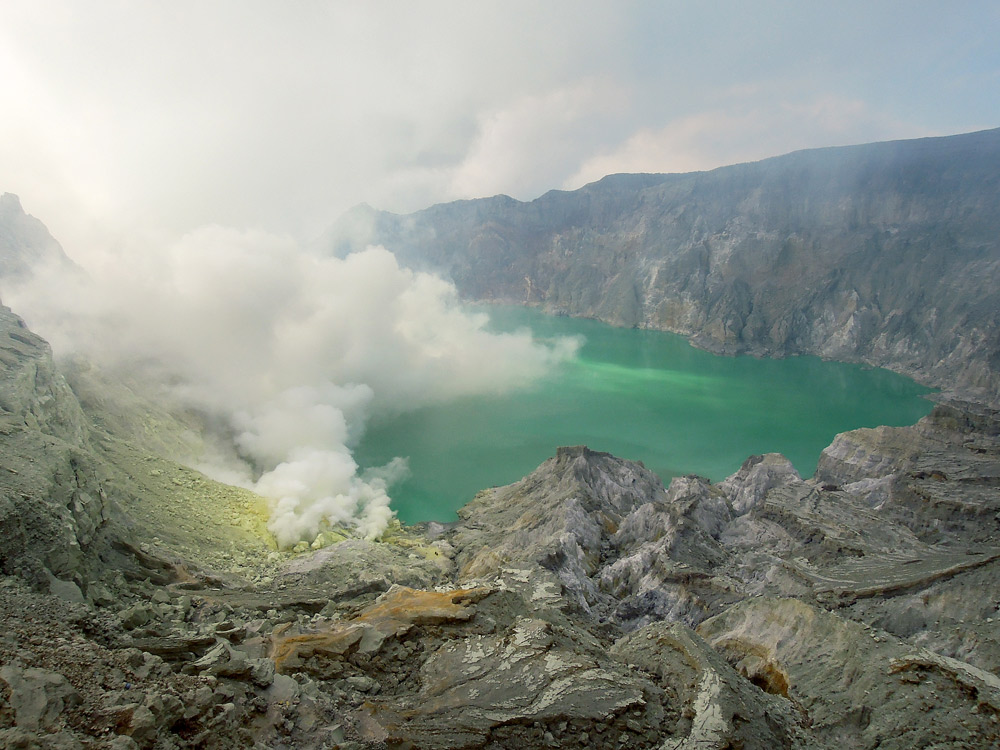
(642, 395)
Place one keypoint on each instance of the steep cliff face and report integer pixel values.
(886, 253)
(53, 504)
(25, 242)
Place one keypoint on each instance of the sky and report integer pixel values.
(126, 122)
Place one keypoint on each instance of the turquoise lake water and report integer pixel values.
(642, 395)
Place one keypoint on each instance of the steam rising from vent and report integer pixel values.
(292, 351)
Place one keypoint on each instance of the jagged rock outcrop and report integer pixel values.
(885, 253)
(561, 516)
(25, 243)
(33, 395)
(724, 708)
(53, 502)
(854, 686)
(666, 557)
(941, 479)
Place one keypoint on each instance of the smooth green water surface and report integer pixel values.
(641, 395)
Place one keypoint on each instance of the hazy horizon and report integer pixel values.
(129, 126)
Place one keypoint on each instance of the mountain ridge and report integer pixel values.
(882, 253)
(25, 242)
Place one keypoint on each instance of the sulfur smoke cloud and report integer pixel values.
(291, 351)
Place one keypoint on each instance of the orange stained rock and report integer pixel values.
(405, 606)
(289, 651)
(393, 615)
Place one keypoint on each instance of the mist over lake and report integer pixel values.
(640, 394)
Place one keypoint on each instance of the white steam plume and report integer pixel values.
(293, 350)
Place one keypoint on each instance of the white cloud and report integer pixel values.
(292, 351)
(144, 117)
(519, 147)
(147, 117)
(744, 131)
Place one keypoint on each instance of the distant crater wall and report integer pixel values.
(887, 253)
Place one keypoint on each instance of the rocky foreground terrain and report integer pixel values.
(885, 253)
(143, 605)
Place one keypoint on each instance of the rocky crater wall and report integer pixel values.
(886, 253)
